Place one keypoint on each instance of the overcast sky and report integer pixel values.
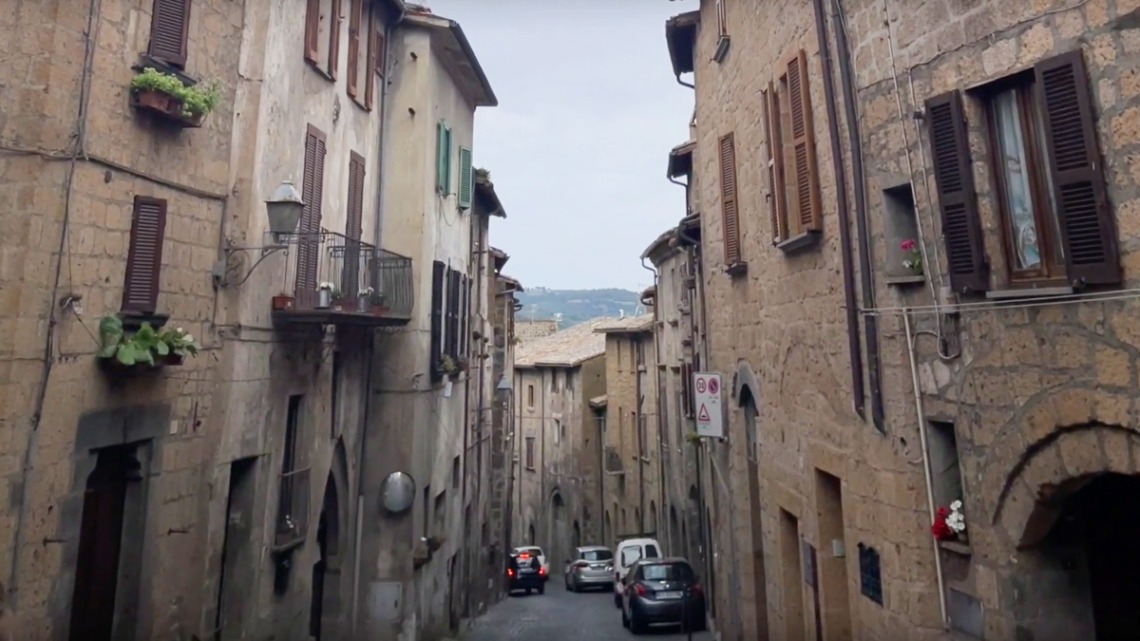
(577, 148)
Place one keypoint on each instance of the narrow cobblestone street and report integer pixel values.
(559, 615)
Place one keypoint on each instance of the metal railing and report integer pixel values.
(292, 509)
(329, 271)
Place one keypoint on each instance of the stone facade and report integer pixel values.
(558, 442)
(632, 480)
(528, 329)
(967, 384)
(73, 158)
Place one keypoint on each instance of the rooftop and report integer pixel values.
(627, 325)
(455, 52)
(485, 197)
(681, 35)
(567, 348)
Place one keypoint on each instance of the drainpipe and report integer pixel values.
(383, 110)
(854, 349)
(870, 322)
(926, 470)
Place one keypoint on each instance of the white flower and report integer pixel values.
(188, 338)
(956, 505)
(327, 285)
(180, 330)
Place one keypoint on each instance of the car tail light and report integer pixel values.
(541, 570)
(696, 590)
(510, 572)
(640, 589)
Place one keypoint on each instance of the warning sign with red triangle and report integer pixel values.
(703, 415)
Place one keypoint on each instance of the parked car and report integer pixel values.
(655, 594)
(628, 552)
(525, 572)
(592, 566)
(534, 550)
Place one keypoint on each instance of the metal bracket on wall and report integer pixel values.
(232, 262)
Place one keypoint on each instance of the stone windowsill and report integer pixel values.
(955, 547)
(908, 279)
(1014, 293)
(798, 242)
(737, 268)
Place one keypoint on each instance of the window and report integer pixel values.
(793, 192)
(632, 554)
(455, 472)
(900, 229)
(530, 452)
(377, 47)
(312, 192)
(561, 430)
(1055, 218)
(687, 390)
(557, 431)
(443, 159)
(553, 381)
(438, 274)
(530, 396)
(169, 32)
(322, 35)
(569, 381)
(651, 552)
(944, 467)
(361, 15)
(292, 513)
(722, 31)
(643, 434)
(466, 178)
(667, 572)
(144, 256)
(596, 555)
(729, 212)
(354, 226)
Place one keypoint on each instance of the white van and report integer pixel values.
(628, 552)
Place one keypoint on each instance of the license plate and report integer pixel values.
(597, 566)
(668, 595)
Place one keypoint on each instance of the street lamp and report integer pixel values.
(283, 209)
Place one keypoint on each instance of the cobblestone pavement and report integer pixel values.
(559, 615)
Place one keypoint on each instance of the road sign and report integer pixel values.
(710, 417)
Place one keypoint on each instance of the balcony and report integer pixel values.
(331, 279)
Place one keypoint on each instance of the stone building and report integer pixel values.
(632, 479)
(557, 439)
(531, 328)
(110, 215)
(915, 257)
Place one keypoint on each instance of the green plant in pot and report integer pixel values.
(184, 102)
(145, 347)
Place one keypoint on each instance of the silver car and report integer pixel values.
(592, 566)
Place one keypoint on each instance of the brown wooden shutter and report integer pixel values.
(451, 335)
(169, 31)
(334, 38)
(774, 147)
(961, 227)
(375, 54)
(312, 30)
(355, 18)
(438, 270)
(730, 215)
(1088, 228)
(803, 145)
(312, 192)
(464, 313)
(144, 257)
(354, 227)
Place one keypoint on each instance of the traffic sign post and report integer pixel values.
(710, 416)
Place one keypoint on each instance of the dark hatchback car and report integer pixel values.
(655, 594)
(525, 572)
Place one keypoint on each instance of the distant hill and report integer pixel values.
(576, 305)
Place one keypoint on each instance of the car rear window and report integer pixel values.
(531, 551)
(652, 552)
(597, 555)
(666, 572)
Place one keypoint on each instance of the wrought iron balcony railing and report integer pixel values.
(292, 509)
(333, 279)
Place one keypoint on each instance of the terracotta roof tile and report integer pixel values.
(567, 348)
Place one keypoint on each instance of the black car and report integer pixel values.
(524, 572)
(662, 592)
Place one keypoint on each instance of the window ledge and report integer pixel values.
(737, 268)
(1029, 292)
(955, 547)
(802, 241)
(132, 321)
(722, 46)
(912, 279)
(316, 66)
(146, 60)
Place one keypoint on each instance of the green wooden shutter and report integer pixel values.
(441, 145)
(465, 178)
(447, 162)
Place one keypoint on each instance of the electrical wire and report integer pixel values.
(1042, 301)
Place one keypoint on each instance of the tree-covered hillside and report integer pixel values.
(576, 305)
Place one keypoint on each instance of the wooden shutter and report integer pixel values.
(687, 389)
(465, 177)
(464, 312)
(438, 270)
(169, 31)
(355, 18)
(1088, 228)
(354, 227)
(312, 192)
(144, 257)
(730, 215)
(451, 330)
(776, 202)
(961, 227)
(803, 146)
(312, 30)
(441, 158)
(334, 38)
(375, 55)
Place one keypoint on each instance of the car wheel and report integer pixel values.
(528, 590)
(542, 589)
(635, 624)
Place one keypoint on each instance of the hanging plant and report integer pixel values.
(145, 347)
(167, 95)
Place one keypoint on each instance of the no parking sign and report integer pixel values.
(710, 418)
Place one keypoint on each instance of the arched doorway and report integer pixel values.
(324, 608)
(607, 530)
(697, 551)
(653, 519)
(638, 524)
(576, 539)
(558, 532)
(530, 534)
(751, 410)
(676, 536)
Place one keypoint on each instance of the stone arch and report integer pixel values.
(653, 527)
(329, 577)
(607, 530)
(744, 378)
(676, 536)
(558, 531)
(1055, 445)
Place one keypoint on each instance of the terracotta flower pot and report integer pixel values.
(282, 302)
(165, 106)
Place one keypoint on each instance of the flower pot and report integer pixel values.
(342, 304)
(165, 106)
(363, 303)
(174, 360)
(379, 310)
(282, 302)
(324, 299)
